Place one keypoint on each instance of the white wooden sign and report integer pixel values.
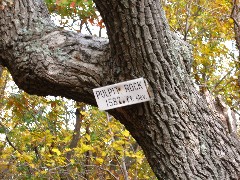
(121, 94)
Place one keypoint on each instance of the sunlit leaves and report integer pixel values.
(75, 14)
(83, 8)
(208, 27)
(39, 132)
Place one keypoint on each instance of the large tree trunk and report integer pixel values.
(236, 18)
(181, 137)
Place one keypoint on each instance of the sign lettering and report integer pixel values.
(121, 94)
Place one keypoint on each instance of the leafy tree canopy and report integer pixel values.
(207, 26)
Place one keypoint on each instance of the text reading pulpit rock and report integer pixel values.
(121, 94)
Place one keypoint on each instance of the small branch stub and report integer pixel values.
(121, 94)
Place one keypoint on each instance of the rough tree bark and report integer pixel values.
(179, 134)
(236, 18)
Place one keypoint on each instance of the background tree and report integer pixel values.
(208, 26)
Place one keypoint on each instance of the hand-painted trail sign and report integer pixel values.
(121, 94)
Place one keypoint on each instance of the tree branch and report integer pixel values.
(8, 140)
(46, 60)
(224, 77)
(76, 133)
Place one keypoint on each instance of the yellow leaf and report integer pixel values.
(104, 153)
(99, 160)
(27, 157)
(85, 148)
(43, 172)
(84, 113)
(49, 155)
(68, 138)
(32, 165)
(87, 137)
(67, 149)
(126, 133)
(56, 151)
(231, 20)
(72, 161)
(117, 145)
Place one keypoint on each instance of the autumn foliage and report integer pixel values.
(58, 138)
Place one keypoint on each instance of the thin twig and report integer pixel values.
(90, 32)
(8, 140)
(219, 82)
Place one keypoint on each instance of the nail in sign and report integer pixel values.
(121, 94)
